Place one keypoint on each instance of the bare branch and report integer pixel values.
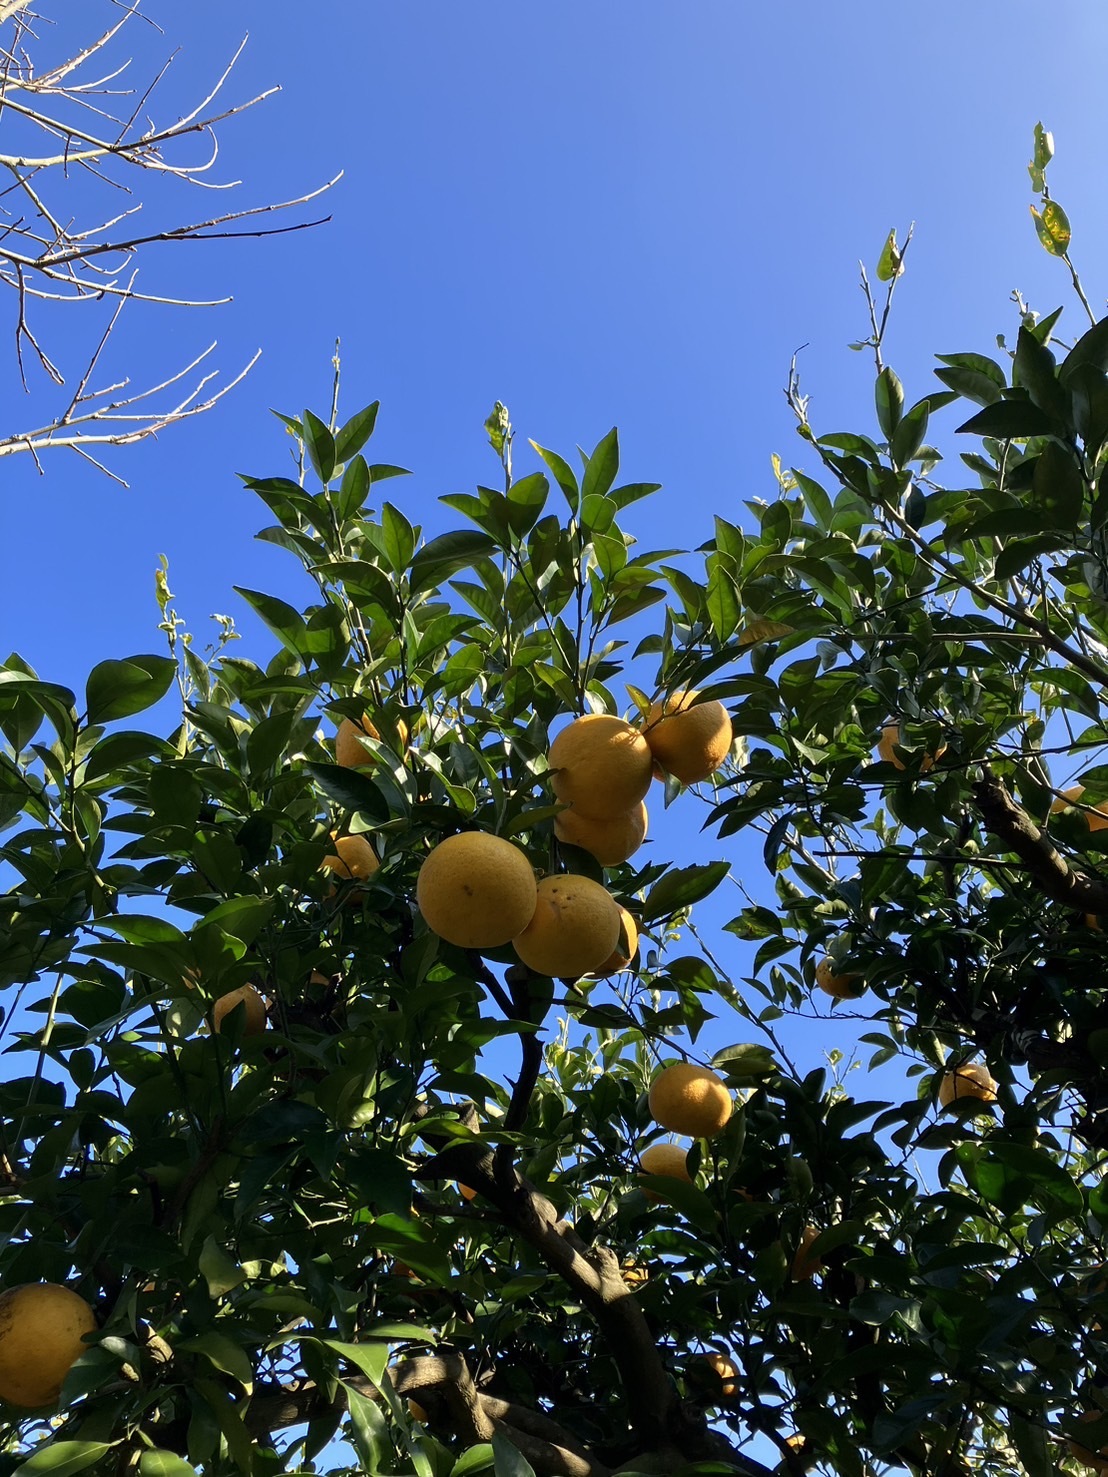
(77, 116)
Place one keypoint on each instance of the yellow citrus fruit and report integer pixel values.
(252, 1003)
(610, 841)
(41, 1335)
(633, 1272)
(667, 1159)
(840, 986)
(726, 1372)
(689, 740)
(600, 765)
(350, 752)
(689, 1099)
(476, 890)
(890, 735)
(804, 1264)
(970, 1080)
(417, 1412)
(1095, 815)
(627, 946)
(353, 857)
(1096, 1460)
(573, 930)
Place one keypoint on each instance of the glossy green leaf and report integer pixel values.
(356, 432)
(681, 887)
(60, 1458)
(116, 689)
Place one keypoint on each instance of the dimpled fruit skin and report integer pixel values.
(353, 857)
(690, 740)
(350, 752)
(971, 1080)
(574, 928)
(476, 890)
(689, 1099)
(620, 958)
(41, 1325)
(603, 766)
(610, 841)
(839, 986)
(667, 1159)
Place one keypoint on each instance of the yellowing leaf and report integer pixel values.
(763, 630)
(1053, 227)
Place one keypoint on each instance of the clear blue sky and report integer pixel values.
(625, 213)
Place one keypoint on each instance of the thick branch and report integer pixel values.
(1049, 870)
(659, 1419)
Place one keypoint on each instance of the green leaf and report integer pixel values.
(1091, 349)
(908, 436)
(350, 788)
(526, 500)
(223, 1354)
(59, 1458)
(118, 689)
(1034, 368)
(218, 1270)
(507, 1459)
(356, 432)
(321, 446)
(159, 1463)
(1058, 487)
(445, 555)
(680, 887)
(1033, 1444)
(603, 466)
(1053, 227)
(745, 1060)
(889, 398)
(399, 538)
(1009, 420)
(563, 475)
(890, 263)
(286, 623)
(476, 1459)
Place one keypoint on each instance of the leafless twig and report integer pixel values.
(75, 121)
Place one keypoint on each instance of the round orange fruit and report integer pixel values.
(970, 1080)
(689, 1099)
(840, 986)
(600, 765)
(610, 841)
(353, 856)
(687, 739)
(573, 930)
(42, 1329)
(476, 890)
(666, 1159)
(626, 947)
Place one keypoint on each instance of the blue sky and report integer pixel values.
(621, 214)
(625, 214)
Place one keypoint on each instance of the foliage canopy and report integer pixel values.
(270, 1226)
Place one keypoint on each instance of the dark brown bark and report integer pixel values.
(1046, 866)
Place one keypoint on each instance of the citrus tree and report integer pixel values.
(348, 1033)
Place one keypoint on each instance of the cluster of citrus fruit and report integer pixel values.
(479, 891)
(601, 767)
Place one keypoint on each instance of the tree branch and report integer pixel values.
(1049, 870)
